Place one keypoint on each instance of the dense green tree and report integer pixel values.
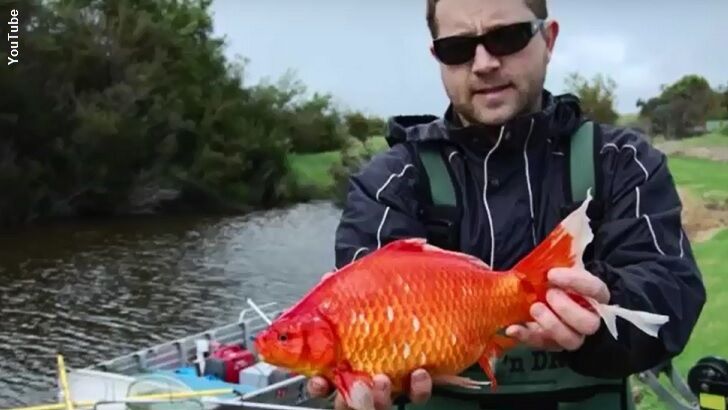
(597, 97)
(123, 106)
(723, 91)
(682, 108)
(362, 127)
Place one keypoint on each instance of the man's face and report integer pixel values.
(492, 89)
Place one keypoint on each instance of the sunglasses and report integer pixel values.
(501, 41)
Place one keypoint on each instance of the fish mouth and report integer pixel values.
(260, 346)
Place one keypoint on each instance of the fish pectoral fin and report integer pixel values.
(486, 363)
(496, 347)
(501, 344)
(356, 388)
(460, 381)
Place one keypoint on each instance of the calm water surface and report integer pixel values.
(98, 289)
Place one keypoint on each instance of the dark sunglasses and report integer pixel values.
(501, 41)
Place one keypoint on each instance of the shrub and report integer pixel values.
(125, 106)
(353, 156)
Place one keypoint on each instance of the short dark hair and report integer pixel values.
(538, 7)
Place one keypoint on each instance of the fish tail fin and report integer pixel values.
(562, 248)
(649, 323)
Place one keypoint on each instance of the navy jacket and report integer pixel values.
(640, 248)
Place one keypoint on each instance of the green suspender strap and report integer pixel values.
(582, 162)
(581, 167)
(441, 187)
(441, 216)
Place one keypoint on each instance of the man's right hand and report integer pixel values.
(420, 390)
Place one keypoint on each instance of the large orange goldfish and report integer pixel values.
(411, 305)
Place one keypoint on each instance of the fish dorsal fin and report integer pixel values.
(406, 245)
(421, 245)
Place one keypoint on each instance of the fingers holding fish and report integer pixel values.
(580, 281)
(555, 329)
(382, 392)
(420, 386)
(576, 317)
(318, 387)
(533, 336)
(420, 390)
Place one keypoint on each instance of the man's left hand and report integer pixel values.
(563, 324)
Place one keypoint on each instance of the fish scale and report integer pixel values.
(385, 339)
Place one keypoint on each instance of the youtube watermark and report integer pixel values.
(13, 37)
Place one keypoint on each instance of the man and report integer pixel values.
(506, 141)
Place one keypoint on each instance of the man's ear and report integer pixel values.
(551, 32)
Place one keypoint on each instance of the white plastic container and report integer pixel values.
(261, 375)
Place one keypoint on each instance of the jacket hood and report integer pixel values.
(560, 116)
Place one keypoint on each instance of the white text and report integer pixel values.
(13, 38)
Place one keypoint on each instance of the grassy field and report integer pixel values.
(711, 333)
(625, 119)
(707, 140)
(705, 178)
(313, 169)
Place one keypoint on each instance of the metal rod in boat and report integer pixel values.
(144, 398)
(275, 386)
(254, 405)
(64, 382)
(258, 311)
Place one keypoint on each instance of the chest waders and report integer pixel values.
(526, 378)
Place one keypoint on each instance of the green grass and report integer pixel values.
(625, 119)
(377, 143)
(707, 140)
(713, 139)
(711, 332)
(710, 336)
(707, 179)
(312, 170)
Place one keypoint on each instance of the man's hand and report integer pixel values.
(568, 324)
(420, 390)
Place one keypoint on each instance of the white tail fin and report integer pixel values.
(576, 224)
(650, 323)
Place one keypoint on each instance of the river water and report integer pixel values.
(94, 290)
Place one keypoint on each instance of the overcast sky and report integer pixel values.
(641, 44)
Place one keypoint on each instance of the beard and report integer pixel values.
(473, 110)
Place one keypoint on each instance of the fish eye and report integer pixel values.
(282, 337)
